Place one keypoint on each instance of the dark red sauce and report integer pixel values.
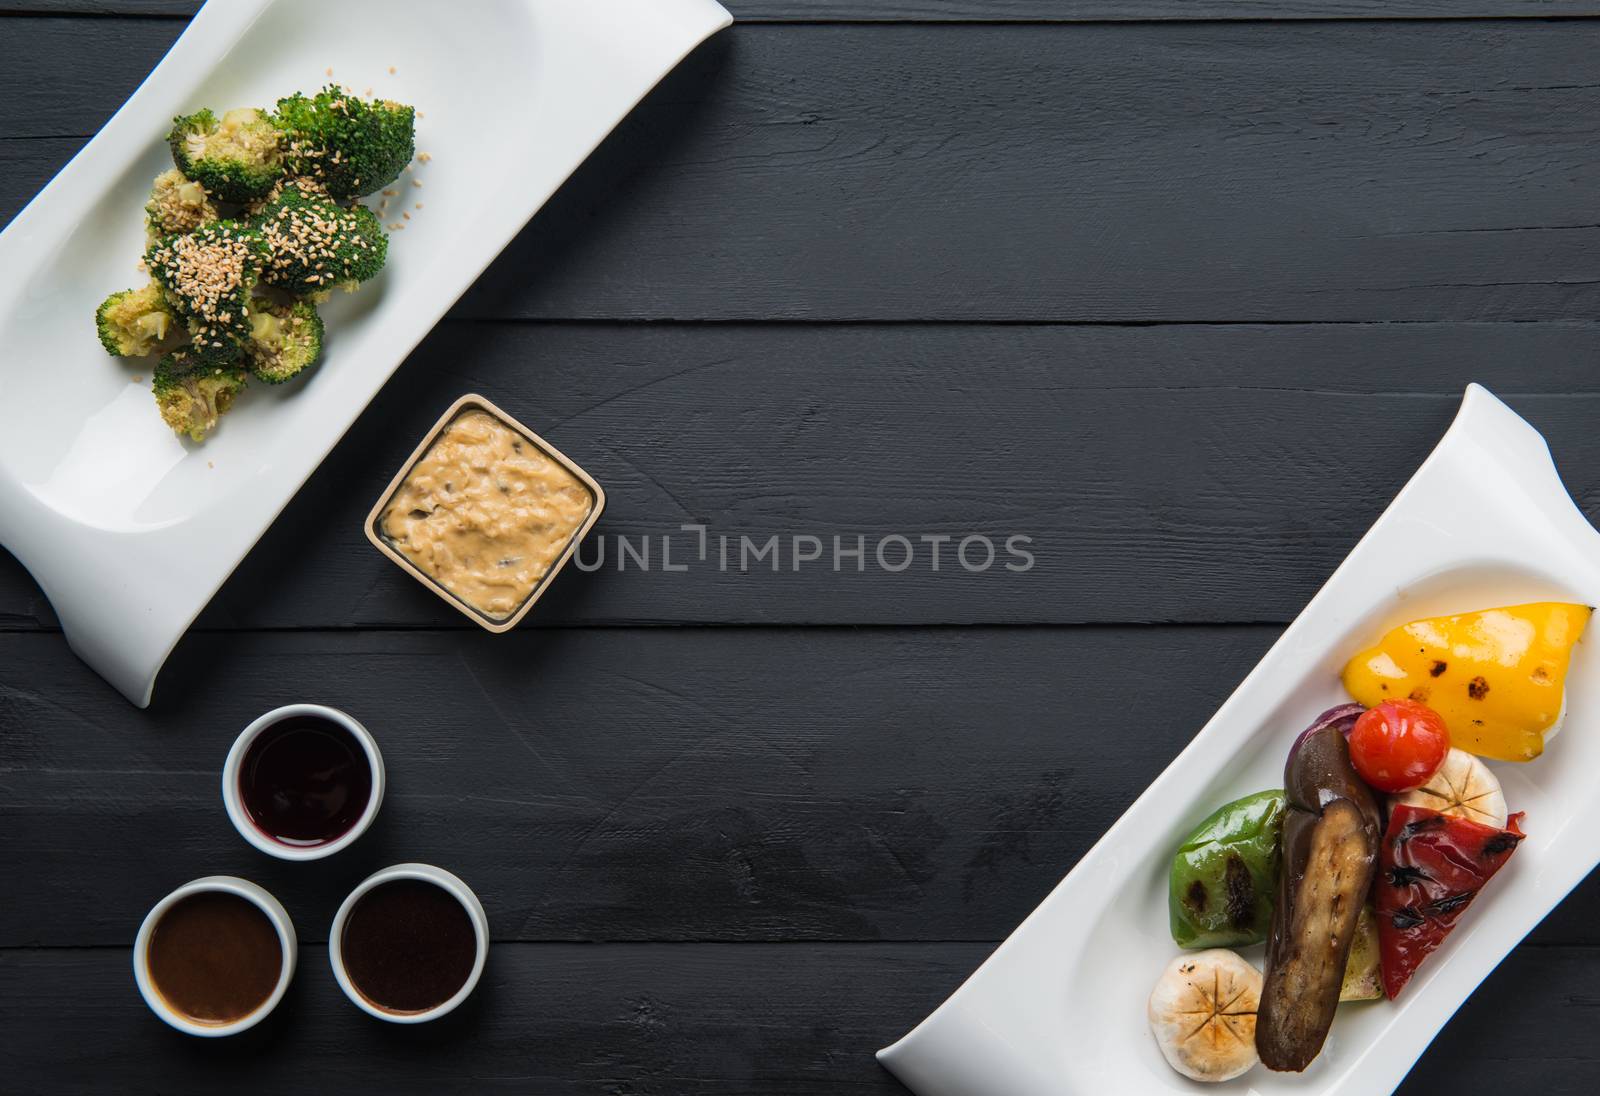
(305, 781)
(408, 946)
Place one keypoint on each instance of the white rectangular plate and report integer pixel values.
(128, 530)
(1060, 1006)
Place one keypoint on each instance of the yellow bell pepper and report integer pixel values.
(1497, 677)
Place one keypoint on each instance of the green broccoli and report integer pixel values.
(210, 276)
(308, 188)
(133, 322)
(236, 157)
(354, 147)
(285, 339)
(192, 396)
(177, 204)
(313, 244)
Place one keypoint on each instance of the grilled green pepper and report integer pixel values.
(1224, 878)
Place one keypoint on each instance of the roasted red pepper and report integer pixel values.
(1430, 867)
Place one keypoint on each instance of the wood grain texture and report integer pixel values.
(1164, 473)
(1225, 171)
(798, 841)
(633, 785)
(986, 11)
(662, 1020)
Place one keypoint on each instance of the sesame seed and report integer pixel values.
(424, 157)
(392, 70)
(330, 70)
(390, 193)
(419, 205)
(406, 215)
(417, 183)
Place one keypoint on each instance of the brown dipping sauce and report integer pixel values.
(408, 946)
(214, 957)
(305, 781)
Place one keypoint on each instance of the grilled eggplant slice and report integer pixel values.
(1330, 854)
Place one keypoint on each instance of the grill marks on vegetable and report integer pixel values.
(1403, 875)
(1241, 892)
(1433, 866)
(1218, 1020)
(1409, 917)
(1406, 918)
(1421, 825)
(1501, 842)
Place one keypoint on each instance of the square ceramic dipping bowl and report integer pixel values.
(386, 544)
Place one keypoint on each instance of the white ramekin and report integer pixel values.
(230, 885)
(428, 874)
(241, 818)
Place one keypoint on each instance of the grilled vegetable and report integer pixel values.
(1463, 787)
(1363, 975)
(1330, 852)
(1433, 865)
(1496, 676)
(1203, 1015)
(1341, 716)
(1224, 878)
(1398, 744)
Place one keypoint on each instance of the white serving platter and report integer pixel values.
(130, 531)
(1059, 1008)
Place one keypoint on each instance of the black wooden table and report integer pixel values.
(1183, 290)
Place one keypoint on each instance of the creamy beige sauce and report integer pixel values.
(485, 513)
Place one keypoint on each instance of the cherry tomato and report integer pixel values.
(1397, 745)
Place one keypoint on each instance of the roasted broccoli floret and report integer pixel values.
(354, 147)
(133, 322)
(285, 339)
(193, 395)
(177, 204)
(235, 157)
(210, 277)
(313, 244)
(307, 186)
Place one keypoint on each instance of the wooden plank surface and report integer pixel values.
(1166, 473)
(1215, 172)
(662, 1020)
(797, 841)
(1004, 11)
(665, 784)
